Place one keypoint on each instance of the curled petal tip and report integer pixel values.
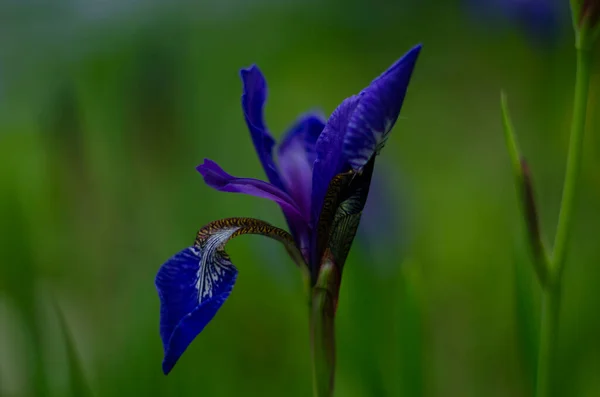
(213, 174)
(255, 85)
(253, 68)
(202, 168)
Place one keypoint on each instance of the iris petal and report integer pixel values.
(217, 178)
(358, 128)
(296, 156)
(377, 111)
(253, 102)
(306, 130)
(194, 284)
(330, 160)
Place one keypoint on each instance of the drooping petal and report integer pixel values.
(194, 284)
(330, 160)
(378, 110)
(192, 287)
(215, 177)
(296, 156)
(253, 102)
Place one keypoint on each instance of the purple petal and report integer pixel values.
(253, 102)
(192, 287)
(296, 156)
(330, 161)
(377, 111)
(296, 172)
(307, 130)
(215, 177)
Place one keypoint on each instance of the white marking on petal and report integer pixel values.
(210, 272)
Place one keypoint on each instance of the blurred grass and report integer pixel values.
(99, 138)
(77, 381)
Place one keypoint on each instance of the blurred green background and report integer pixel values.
(107, 107)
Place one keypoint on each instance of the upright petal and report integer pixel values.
(296, 156)
(253, 102)
(330, 160)
(194, 284)
(305, 130)
(217, 178)
(378, 110)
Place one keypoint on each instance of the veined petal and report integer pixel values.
(330, 160)
(253, 102)
(296, 156)
(358, 128)
(194, 284)
(378, 110)
(217, 178)
(192, 287)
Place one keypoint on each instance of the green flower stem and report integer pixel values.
(322, 329)
(547, 340)
(551, 292)
(565, 217)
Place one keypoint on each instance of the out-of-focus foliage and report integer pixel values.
(107, 107)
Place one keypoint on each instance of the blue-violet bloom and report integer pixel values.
(320, 178)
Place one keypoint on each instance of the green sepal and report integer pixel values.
(342, 208)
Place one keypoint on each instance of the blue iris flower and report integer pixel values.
(320, 178)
